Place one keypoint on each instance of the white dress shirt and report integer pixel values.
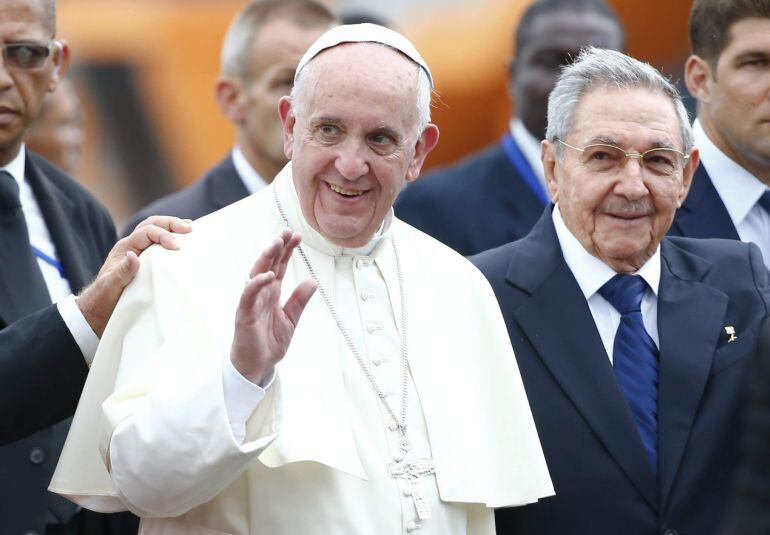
(58, 287)
(739, 190)
(530, 148)
(591, 274)
(249, 176)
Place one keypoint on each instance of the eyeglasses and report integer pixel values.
(603, 158)
(24, 55)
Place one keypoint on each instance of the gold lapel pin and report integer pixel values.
(730, 330)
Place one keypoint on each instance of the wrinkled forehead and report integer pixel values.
(625, 115)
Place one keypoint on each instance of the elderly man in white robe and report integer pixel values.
(361, 382)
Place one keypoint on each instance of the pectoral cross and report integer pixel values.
(412, 470)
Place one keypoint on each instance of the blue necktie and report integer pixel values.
(764, 201)
(635, 358)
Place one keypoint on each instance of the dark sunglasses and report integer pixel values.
(26, 55)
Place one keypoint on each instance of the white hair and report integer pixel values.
(423, 91)
(601, 68)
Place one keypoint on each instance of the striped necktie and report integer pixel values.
(635, 358)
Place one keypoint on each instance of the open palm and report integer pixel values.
(264, 328)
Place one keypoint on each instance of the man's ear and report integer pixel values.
(227, 93)
(61, 61)
(511, 79)
(698, 76)
(289, 121)
(548, 156)
(425, 143)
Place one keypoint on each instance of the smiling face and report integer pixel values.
(352, 138)
(734, 95)
(619, 217)
(22, 90)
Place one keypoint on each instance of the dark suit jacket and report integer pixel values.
(219, 187)
(604, 484)
(751, 514)
(41, 368)
(703, 214)
(480, 203)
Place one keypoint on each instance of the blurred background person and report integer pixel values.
(729, 75)
(58, 133)
(259, 56)
(495, 196)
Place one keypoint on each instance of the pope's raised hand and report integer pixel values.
(263, 328)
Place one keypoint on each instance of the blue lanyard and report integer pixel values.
(520, 163)
(49, 260)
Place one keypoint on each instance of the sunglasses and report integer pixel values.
(26, 55)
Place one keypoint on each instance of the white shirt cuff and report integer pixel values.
(81, 331)
(241, 397)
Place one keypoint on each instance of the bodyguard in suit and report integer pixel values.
(729, 74)
(751, 512)
(53, 239)
(259, 56)
(496, 195)
(633, 348)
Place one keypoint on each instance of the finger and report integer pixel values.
(299, 300)
(119, 278)
(251, 293)
(293, 240)
(143, 237)
(169, 223)
(285, 237)
(266, 260)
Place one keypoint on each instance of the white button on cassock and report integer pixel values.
(411, 526)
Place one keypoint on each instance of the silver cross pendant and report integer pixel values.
(411, 470)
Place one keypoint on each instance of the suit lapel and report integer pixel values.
(690, 315)
(226, 186)
(558, 323)
(60, 219)
(703, 214)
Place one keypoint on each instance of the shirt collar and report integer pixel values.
(248, 174)
(16, 167)
(736, 186)
(590, 272)
(530, 147)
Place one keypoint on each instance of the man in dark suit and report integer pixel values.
(495, 196)
(751, 513)
(259, 55)
(53, 239)
(729, 74)
(632, 347)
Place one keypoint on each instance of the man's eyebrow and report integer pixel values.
(751, 54)
(325, 119)
(603, 140)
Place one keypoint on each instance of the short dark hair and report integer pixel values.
(712, 20)
(246, 25)
(543, 7)
(49, 14)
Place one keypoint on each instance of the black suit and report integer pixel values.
(41, 368)
(703, 214)
(219, 187)
(601, 473)
(477, 204)
(751, 515)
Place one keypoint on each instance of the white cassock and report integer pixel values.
(316, 451)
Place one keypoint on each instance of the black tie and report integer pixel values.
(21, 272)
(764, 201)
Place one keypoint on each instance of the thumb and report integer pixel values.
(123, 273)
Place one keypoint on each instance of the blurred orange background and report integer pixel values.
(146, 71)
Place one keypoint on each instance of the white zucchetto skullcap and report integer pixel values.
(363, 33)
